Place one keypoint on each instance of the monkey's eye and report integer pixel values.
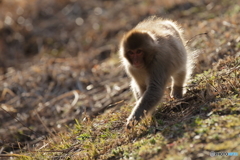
(139, 51)
(130, 52)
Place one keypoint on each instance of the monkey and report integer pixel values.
(152, 53)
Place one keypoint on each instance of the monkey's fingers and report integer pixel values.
(131, 123)
(128, 126)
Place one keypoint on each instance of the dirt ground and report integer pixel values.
(58, 59)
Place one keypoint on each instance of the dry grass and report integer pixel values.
(64, 95)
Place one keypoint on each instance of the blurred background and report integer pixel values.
(58, 58)
(70, 28)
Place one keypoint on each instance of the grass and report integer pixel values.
(205, 120)
(208, 121)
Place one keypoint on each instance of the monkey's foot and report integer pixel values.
(177, 92)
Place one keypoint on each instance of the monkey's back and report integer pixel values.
(168, 35)
(161, 27)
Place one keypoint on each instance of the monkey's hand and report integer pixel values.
(145, 104)
(131, 123)
(136, 115)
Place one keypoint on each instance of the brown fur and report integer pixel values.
(165, 57)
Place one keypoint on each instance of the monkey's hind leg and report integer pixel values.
(177, 84)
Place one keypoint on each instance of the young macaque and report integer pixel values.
(152, 53)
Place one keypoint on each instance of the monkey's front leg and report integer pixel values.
(136, 114)
(138, 90)
(145, 104)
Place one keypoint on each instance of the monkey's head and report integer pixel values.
(138, 48)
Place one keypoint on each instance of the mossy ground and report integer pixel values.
(47, 99)
(206, 120)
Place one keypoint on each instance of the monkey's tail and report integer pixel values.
(192, 56)
(191, 39)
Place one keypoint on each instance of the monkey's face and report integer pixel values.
(135, 57)
(138, 48)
